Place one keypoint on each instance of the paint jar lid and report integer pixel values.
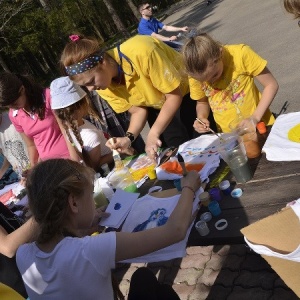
(225, 184)
(206, 216)
(204, 196)
(236, 193)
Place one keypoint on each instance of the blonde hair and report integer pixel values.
(292, 7)
(197, 51)
(49, 185)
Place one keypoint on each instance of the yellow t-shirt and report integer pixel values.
(235, 93)
(156, 70)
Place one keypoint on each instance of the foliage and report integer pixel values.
(34, 32)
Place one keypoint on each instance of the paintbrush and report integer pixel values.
(181, 161)
(212, 131)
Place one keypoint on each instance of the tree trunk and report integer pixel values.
(120, 26)
(3, 64)
(134, 9)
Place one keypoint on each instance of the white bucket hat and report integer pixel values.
(65, 92)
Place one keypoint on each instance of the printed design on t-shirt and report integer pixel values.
(220, 100)
(156, 218)
(17, 150)
(200, 151)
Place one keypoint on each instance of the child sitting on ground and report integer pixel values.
(222, 79)
(60, 193)
(69, 102)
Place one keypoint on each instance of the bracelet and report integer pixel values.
(188, 187)
(130, 136)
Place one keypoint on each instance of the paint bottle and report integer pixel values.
(204, 198)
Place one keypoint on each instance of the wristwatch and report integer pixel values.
(130, 136)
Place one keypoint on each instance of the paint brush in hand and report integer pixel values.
(181, 161)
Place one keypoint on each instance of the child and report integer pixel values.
(143, 76)
(70, 104)
(222, 78)
(31, 114)
(61, 266)
(293, 7)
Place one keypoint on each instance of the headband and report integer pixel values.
(84, 65)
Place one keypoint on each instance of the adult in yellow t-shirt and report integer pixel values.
(222, 78)
(143, 76)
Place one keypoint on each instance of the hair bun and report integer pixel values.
(74, 37)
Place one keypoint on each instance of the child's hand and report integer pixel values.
(121, 144)
(201, 128)
(192, 179)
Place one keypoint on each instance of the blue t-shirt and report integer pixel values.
(147, 27)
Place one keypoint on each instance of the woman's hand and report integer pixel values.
(201, 128)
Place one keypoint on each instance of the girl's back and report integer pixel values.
(77, 268)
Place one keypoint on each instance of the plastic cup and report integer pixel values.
(202, 228)
(204, 198)
(215, 194)
(232, 151)
(122, 179)
(225, 187)
(246, 129)
(100, 199)
(177, 184)
(151, 172)
(214, 208)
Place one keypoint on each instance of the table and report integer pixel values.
(273, 185)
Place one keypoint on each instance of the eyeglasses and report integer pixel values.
(147, 7)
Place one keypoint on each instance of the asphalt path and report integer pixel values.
(262, 24)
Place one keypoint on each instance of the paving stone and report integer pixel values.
(124, 287)
(165, 264)
(254, 262)
(209, 277)
(127, 275)
(189, 276)
(200, 292)
(207, 250)
(282, 294)
(216, 262)
(219, 292)
(263, 279)
(183, 290)
(227, 277)
(240, 249)
(239, 293)
(233, 262)
(221, 250)
(197, 261)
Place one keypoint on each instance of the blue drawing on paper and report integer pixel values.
(157, 218)
(117, 206)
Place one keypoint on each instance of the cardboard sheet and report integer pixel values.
(281, 233)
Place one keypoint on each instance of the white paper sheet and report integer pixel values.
(119, 207)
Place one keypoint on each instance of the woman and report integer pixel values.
(31, 114)
(146, 82)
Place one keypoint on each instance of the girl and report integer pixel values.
(142, 76)
(70, 104)
(13, 233)
(222, 78)
(61, 266)
(31, 114)
(293, 7)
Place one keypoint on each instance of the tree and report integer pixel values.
(134, 9)
(121, 27)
